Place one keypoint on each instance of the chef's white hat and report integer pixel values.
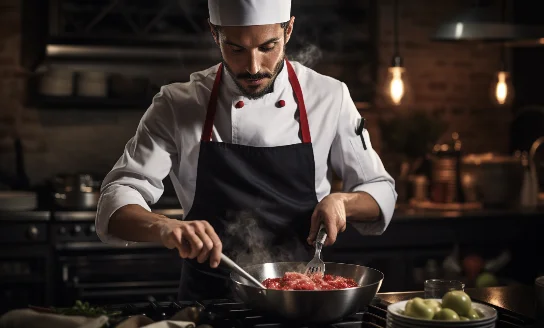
(249, 12)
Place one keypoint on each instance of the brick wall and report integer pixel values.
(11, 79)
(451, 80)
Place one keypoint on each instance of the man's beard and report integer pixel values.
(267, 89)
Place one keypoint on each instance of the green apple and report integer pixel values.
(486, 279)
(480, 313)
(458, 301)
(464, 319)
(472, 314)
(417, 308)
(411, 302)
(433, 304)
(446, 314)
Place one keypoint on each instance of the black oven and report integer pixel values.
(89, 270)
(25, 260)
(23, 276)
(102, 274)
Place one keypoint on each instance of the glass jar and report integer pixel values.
(437, 288)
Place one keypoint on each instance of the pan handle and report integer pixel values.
(231, 264)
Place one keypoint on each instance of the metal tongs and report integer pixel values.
(235, 267)
(316, 265)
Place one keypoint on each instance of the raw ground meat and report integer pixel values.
(299, 281)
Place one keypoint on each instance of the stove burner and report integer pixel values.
(223, 313)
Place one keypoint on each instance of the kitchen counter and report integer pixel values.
(76, 215)
(403, 214)
(406, 213)
(38, 215)
(411, 227)
(518, 298)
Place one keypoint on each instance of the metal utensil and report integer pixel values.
(236, 268)
(316, 265)
(319, 306)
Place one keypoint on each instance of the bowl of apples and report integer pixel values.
(455, 309)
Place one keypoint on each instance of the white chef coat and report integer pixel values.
(168, 137)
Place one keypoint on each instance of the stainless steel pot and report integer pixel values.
(77, 191)
(309, 306)
(493, 179)
(77, 200)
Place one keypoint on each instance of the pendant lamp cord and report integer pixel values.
(396, 28)
(503, 48)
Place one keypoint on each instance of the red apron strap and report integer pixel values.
(304, 127)
(212, 105)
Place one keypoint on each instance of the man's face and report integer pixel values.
(254, 55)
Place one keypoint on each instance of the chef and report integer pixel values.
(256, 137)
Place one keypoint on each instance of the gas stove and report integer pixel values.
(224, 313)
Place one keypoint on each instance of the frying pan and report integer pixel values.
(322, 306)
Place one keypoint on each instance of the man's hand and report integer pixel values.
(331, 212)
(193, 239)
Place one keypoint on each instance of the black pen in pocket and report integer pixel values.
(360, 131)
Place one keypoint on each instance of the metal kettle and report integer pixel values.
(530, 191)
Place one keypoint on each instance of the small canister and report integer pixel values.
(420, 186)
(445, 176)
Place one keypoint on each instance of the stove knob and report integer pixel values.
(92, 229)
(62, 231)
(32, 232)
(76, 229)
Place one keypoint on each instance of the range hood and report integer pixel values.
(165, 38)
(127, 60)
(483, 23)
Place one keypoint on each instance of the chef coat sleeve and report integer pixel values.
(361, 169)
(147, 159)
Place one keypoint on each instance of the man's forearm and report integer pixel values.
(360, 206)
(135, 223)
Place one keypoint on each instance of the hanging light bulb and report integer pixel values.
(396, 84)
(502, 89)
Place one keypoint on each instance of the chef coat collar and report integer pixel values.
(281, 82)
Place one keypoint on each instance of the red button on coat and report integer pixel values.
(239, 104)
(281, 103)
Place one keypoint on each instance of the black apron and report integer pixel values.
(259, 200)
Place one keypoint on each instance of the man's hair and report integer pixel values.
(217, 28)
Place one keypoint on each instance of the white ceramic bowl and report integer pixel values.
(397, 319)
